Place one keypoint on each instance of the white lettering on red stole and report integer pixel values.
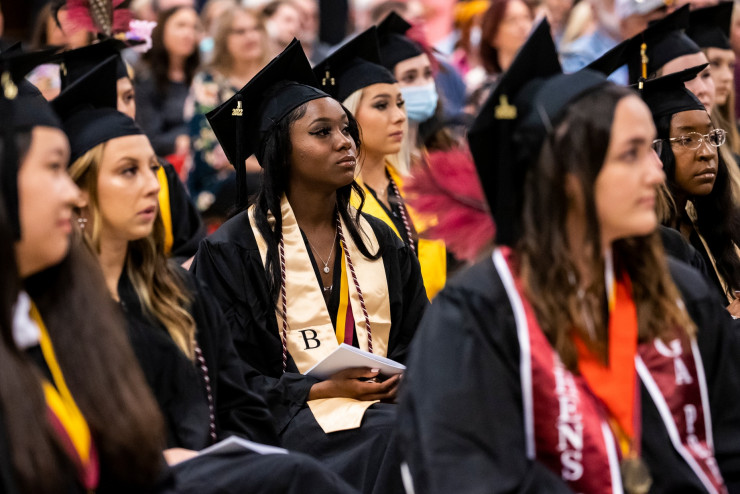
(672, 377)
(569, 424)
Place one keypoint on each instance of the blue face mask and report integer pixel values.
(420, 101)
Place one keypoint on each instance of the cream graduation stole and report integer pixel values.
(311, 335)
(432, 254)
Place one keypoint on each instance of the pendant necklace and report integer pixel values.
(326, 263)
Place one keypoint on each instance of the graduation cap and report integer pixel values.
(22, 107)
(668, 95)
(242, 122)
(89, 112)
(648, 51)
(710, 27)
(506, 136)
(353, 66)
(394, 45)
(76, 63)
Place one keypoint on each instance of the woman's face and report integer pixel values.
(626, 187)
(126, 97)
(382, 117)
(415, 71)
(46, 196)
(702, 85)
(181, 33)
(514, 28)
(245, 40)
(722, 63)
(696, 169)
(323, 155)
(128, 188)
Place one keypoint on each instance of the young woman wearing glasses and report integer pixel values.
(701, 189)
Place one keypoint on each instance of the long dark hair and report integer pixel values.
(158, 58)
(274, 156)
(717, 213)
(577, 147)
(99, 367)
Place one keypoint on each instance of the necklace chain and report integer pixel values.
(326, 263)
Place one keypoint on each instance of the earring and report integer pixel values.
(82, 222)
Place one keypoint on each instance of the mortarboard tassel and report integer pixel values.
(241, 171)
(644, 61)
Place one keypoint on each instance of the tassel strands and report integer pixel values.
(348, 258)
(207, 380)
(404, 215)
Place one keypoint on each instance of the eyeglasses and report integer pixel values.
(694, 140)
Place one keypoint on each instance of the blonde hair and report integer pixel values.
(222, 60)
(161, 291)
(401, 160)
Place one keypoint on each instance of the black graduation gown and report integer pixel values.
(178, 386)
(108, 483)
(187, 227)
(229, 263)
(461, 417)
(679, 248)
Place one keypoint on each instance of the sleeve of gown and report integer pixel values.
(461, 419)
(239, 410)
(187, 227)
(719, 345)
(226, 270)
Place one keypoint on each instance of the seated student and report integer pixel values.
(75, 413)
(700, 186)
(354, 76)
(182, 223)
(301, 271)
(581, 360)
(176, 328)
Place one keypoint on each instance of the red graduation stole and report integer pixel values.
(563, 412)
(565, 425)
(345, 327)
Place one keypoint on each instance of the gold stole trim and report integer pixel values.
(311, 336)
(165, 210)
(60, 399)
(432, 253)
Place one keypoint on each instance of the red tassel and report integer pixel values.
(448, 188)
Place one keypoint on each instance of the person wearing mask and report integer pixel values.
(371, 93)
(301, 271)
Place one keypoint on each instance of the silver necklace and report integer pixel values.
(326, 263)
